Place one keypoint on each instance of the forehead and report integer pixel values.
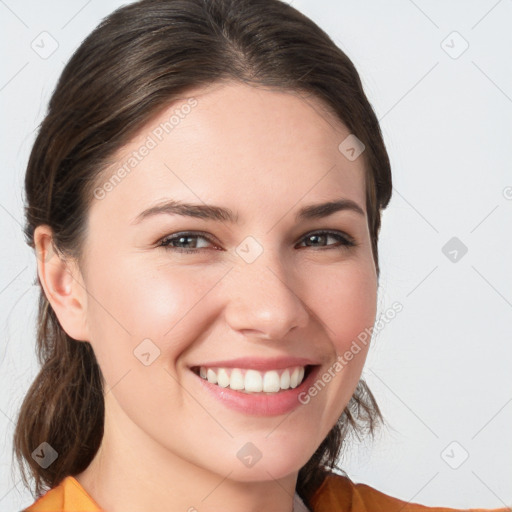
(237, 145)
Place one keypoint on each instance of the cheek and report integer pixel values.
(135, 302)
(175, 306)
(346, 308)
(346, 304)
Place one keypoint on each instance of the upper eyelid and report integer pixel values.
(200, 234)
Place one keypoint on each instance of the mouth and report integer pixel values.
(273, 390)
(250, 381)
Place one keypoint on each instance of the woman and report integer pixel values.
(204, 197)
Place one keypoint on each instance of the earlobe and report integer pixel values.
(63, 285)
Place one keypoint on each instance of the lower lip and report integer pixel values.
(260, 404)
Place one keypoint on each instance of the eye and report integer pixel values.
(182, 238)
(344, 241)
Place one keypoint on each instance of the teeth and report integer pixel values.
(252, 381)
(211, 376)
(237, 379)
(294, 377)
(285, 380)
(271, 382)
(223, 378)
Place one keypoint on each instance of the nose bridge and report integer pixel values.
(262, 294)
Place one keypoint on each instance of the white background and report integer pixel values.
(442, 369)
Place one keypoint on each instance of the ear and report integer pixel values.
(63, 285)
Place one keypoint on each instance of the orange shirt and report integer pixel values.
(336, 494)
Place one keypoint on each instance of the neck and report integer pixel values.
(151, 478)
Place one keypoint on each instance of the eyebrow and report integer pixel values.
(218, 213)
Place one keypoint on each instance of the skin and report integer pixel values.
(264, 154)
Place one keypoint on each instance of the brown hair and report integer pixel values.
(138, 60)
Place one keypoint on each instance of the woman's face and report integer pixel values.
(257, 289)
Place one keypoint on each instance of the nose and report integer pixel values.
(265, 299)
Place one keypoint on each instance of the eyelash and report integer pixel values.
(346, 241)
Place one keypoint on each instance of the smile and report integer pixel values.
(253, 381)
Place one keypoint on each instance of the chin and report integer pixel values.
(273, 467)
(263, 474)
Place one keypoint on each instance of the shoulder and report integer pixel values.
(52, 500)
(338, 492)
(68, 496)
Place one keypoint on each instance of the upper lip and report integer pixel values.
(259, 363)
